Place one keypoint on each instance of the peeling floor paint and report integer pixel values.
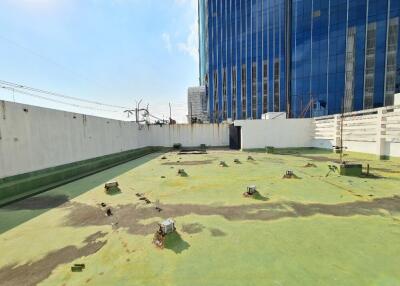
(317, 230)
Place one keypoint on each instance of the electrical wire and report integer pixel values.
(55, 100)
(20, 86)
(27, 90)
(14, 87)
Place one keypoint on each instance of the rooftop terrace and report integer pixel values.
(317, 229)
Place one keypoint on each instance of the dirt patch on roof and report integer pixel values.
(188, 163)
(129, 216)
(217, 232)
(192, 228)
(95, 236)
(35, 272)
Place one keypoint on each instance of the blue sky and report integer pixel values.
(112, 51)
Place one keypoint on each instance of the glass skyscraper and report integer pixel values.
(304, 57)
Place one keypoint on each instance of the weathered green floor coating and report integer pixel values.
(318, 229)
(26, 185)
(19, 212)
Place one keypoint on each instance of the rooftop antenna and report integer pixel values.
(129, 112)
(147, 115)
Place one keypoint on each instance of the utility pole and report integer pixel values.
(341, 132)
(191, 113)
(170, 113)
(137, 110)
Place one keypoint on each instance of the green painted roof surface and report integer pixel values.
(319, 228)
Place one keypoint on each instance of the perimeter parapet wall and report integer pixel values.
(35, 138)
(189, 135)
(373, 131)
(278, 133)
(41, 148)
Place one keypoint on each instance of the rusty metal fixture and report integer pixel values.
(289, 175)
(182, 172)
(223, 164)
(109, 212)
(111, 185)
(251, 191)
(165, 228)
(310, 165)
(77, 267)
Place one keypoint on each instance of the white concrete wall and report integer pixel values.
(189, 135)
(392, 149)
(373, 131)
(278, 133)
(41, 138)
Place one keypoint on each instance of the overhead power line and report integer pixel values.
(20, 86)
(54, 100)
(49, 96)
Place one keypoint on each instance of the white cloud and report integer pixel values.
(184, 2)
(189, 42)
(191, 45)
(167, 41)
(41, 6)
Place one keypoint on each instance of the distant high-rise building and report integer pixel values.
(304, 57)
(197, 104)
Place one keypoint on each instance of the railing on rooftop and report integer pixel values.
(371, 125)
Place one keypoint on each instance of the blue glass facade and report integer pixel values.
(305, 57)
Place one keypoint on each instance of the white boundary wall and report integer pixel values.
(189, 135)
(278, 133)
(373, 131)
(40, 138)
